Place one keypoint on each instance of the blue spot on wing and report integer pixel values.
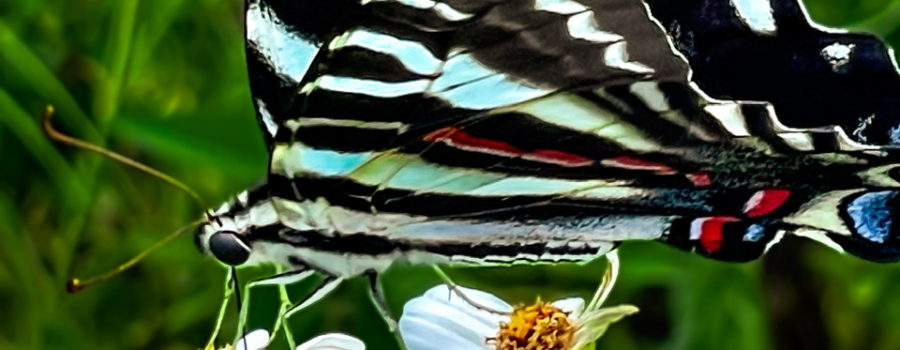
(755, 233)
(872, 215)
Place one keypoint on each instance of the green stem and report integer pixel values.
(211, 344)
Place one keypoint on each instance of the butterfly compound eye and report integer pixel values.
(228, 247)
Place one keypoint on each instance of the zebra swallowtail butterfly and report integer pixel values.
(502, 131)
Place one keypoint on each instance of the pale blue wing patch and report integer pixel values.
(756, 14)
(414, 56)
(872, 215)
(289, 54)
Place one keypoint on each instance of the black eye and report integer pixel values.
(228, 247)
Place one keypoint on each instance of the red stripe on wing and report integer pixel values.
(710, 231)
(764, 202)
(457, 138)
(634, 163)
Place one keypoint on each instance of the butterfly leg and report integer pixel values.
(229, 291)
(323, 289)
(453, 287)
(285, 304)
(376, 292)
(284, 278)
(281, 280)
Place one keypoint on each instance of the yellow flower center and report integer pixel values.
(541, 326)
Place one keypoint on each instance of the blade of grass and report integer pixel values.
(151, 31)
(42, 80)
(25, 127)
(105, 105)
(32, 283)
(885, 22)
(176, 145)
(116, 57)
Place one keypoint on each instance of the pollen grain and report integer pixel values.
(541, 326)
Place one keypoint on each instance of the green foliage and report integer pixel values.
(165, 83)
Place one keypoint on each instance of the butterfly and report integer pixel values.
(493, 132)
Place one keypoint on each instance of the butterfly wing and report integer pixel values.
(771, 51)
(537, 121)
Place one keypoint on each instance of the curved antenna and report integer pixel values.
(76, 285)
(57, 136)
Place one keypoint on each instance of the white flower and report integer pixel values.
(259, 339)
(255, 340)
(441, 319)
(469, 319)
(333, 341)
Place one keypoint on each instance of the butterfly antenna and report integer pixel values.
(53, 134)
(76, 285)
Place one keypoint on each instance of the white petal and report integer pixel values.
(333, 341)
(255, 340)
(440, 319)
(595, 322)
(573, 306)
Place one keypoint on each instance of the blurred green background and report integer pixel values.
(164, 81)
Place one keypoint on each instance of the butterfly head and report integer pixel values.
(228, 233)
(221, 238)
(229, 248)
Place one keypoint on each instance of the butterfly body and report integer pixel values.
(344, 243)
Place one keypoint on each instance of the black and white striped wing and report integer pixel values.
(538, 121)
